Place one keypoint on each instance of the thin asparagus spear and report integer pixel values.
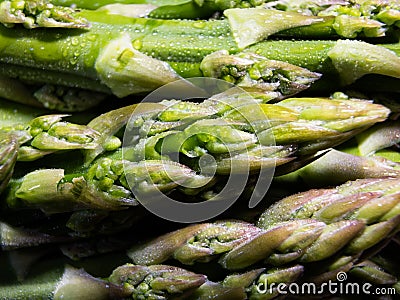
(373, 273)
(15, 238)
(337, 167)
(364, 156)
(8, 157)
(60, 98)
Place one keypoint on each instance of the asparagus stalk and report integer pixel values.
(255, 73)
(126, 281)
(378, 138)
(54, 97)
(368, 155)
(15, 238)
(90, 4)
(39, 13)
(240, 134)
(282, 123)
(8, 156)
(85, 54)
(308, 227)
(168, 282)
(46, 134)
(347, 18)
(372, 272)
(138, 282)
(337, 167)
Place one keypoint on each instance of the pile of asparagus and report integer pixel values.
(309, 98)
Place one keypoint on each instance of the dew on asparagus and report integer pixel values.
(137, 44)
(74, 41)
(199, 24)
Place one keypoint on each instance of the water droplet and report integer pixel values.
(137, 44)
(91, 37)
(74, 41)
(199, 24)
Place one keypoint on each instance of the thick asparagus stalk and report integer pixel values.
(307, 227)
(85, 54)
(347, 18)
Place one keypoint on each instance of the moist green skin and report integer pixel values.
(51, 54)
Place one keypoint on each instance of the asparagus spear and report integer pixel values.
(138, 282)
(85, 54)
(89, 4)
(240, 134)
(47, 134)
(379, 137)
(337, 167)
(255, 73)
(39, 13)
(15, 238)
(307, 227)
(347, 18)
(372, 272)
(168, 282)
(282, 123)
(8, 156)
(368, 155)
(54, 97)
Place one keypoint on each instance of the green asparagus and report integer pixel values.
(241, 134)
(72, 188)
(8, 157)
(371, 154)
(307, 227)
(346, 18)
(47, 134)
(137, 282)
(39, 13)
(88, 54)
